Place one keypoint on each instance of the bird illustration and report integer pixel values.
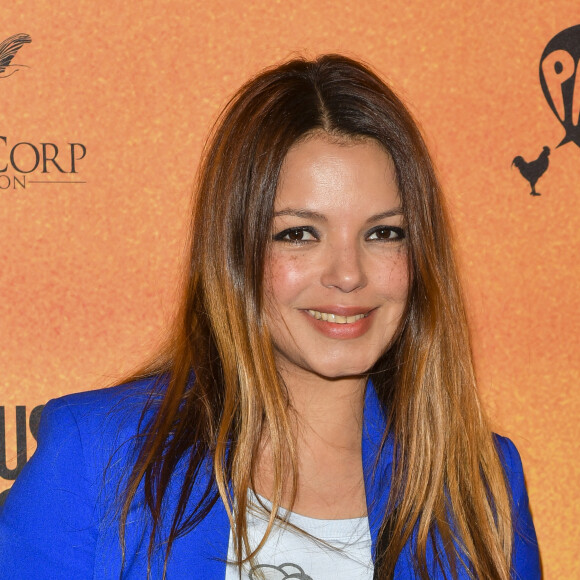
(533, 170)
(8, 50)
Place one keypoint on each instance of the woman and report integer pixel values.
(319, 376)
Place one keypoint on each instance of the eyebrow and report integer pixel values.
(309, 214)
(386, 214)
(301, 213)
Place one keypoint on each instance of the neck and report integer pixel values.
(327, 412)
(327, 417)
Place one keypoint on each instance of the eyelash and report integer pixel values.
(280, 237)
(399, 233)
(283, 235)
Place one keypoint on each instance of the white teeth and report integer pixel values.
(336, 318)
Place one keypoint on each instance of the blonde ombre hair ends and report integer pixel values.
(223, 395)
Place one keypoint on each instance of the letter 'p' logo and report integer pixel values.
(560, 80)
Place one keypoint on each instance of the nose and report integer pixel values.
(344, 268)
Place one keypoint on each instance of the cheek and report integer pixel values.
(284, 278)
(393, 279)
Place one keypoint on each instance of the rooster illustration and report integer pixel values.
(533, 170)
(8, 50)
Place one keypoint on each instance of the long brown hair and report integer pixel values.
(222, 393)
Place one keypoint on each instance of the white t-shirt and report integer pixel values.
(291, 554)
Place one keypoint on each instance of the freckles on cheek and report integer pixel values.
(283, 273)
(396, 278)
(282, 283)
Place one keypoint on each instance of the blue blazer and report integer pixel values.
(59, 520)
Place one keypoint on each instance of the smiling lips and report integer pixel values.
(343, 323)
(336, 318)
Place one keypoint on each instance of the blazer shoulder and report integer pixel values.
(510, 458)
(526, 562)
(120, 404)
(126, 399)
(512, 464)
(61, 506)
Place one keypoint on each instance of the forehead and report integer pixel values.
(333, 173)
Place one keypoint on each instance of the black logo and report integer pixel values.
(560, 82)
(22, 425)
(27, 163)
(24, 162)
(8, 50)
(533, 170)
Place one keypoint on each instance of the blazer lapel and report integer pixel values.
(376, 464)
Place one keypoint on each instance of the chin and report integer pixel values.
(330, 364)
(337, 372)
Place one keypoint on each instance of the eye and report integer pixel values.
(296, 235)
(386, 234)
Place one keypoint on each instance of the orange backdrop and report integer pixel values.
(88, 270)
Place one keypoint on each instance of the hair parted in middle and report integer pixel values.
(447, 474)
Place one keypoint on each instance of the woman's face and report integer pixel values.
(336, 272)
